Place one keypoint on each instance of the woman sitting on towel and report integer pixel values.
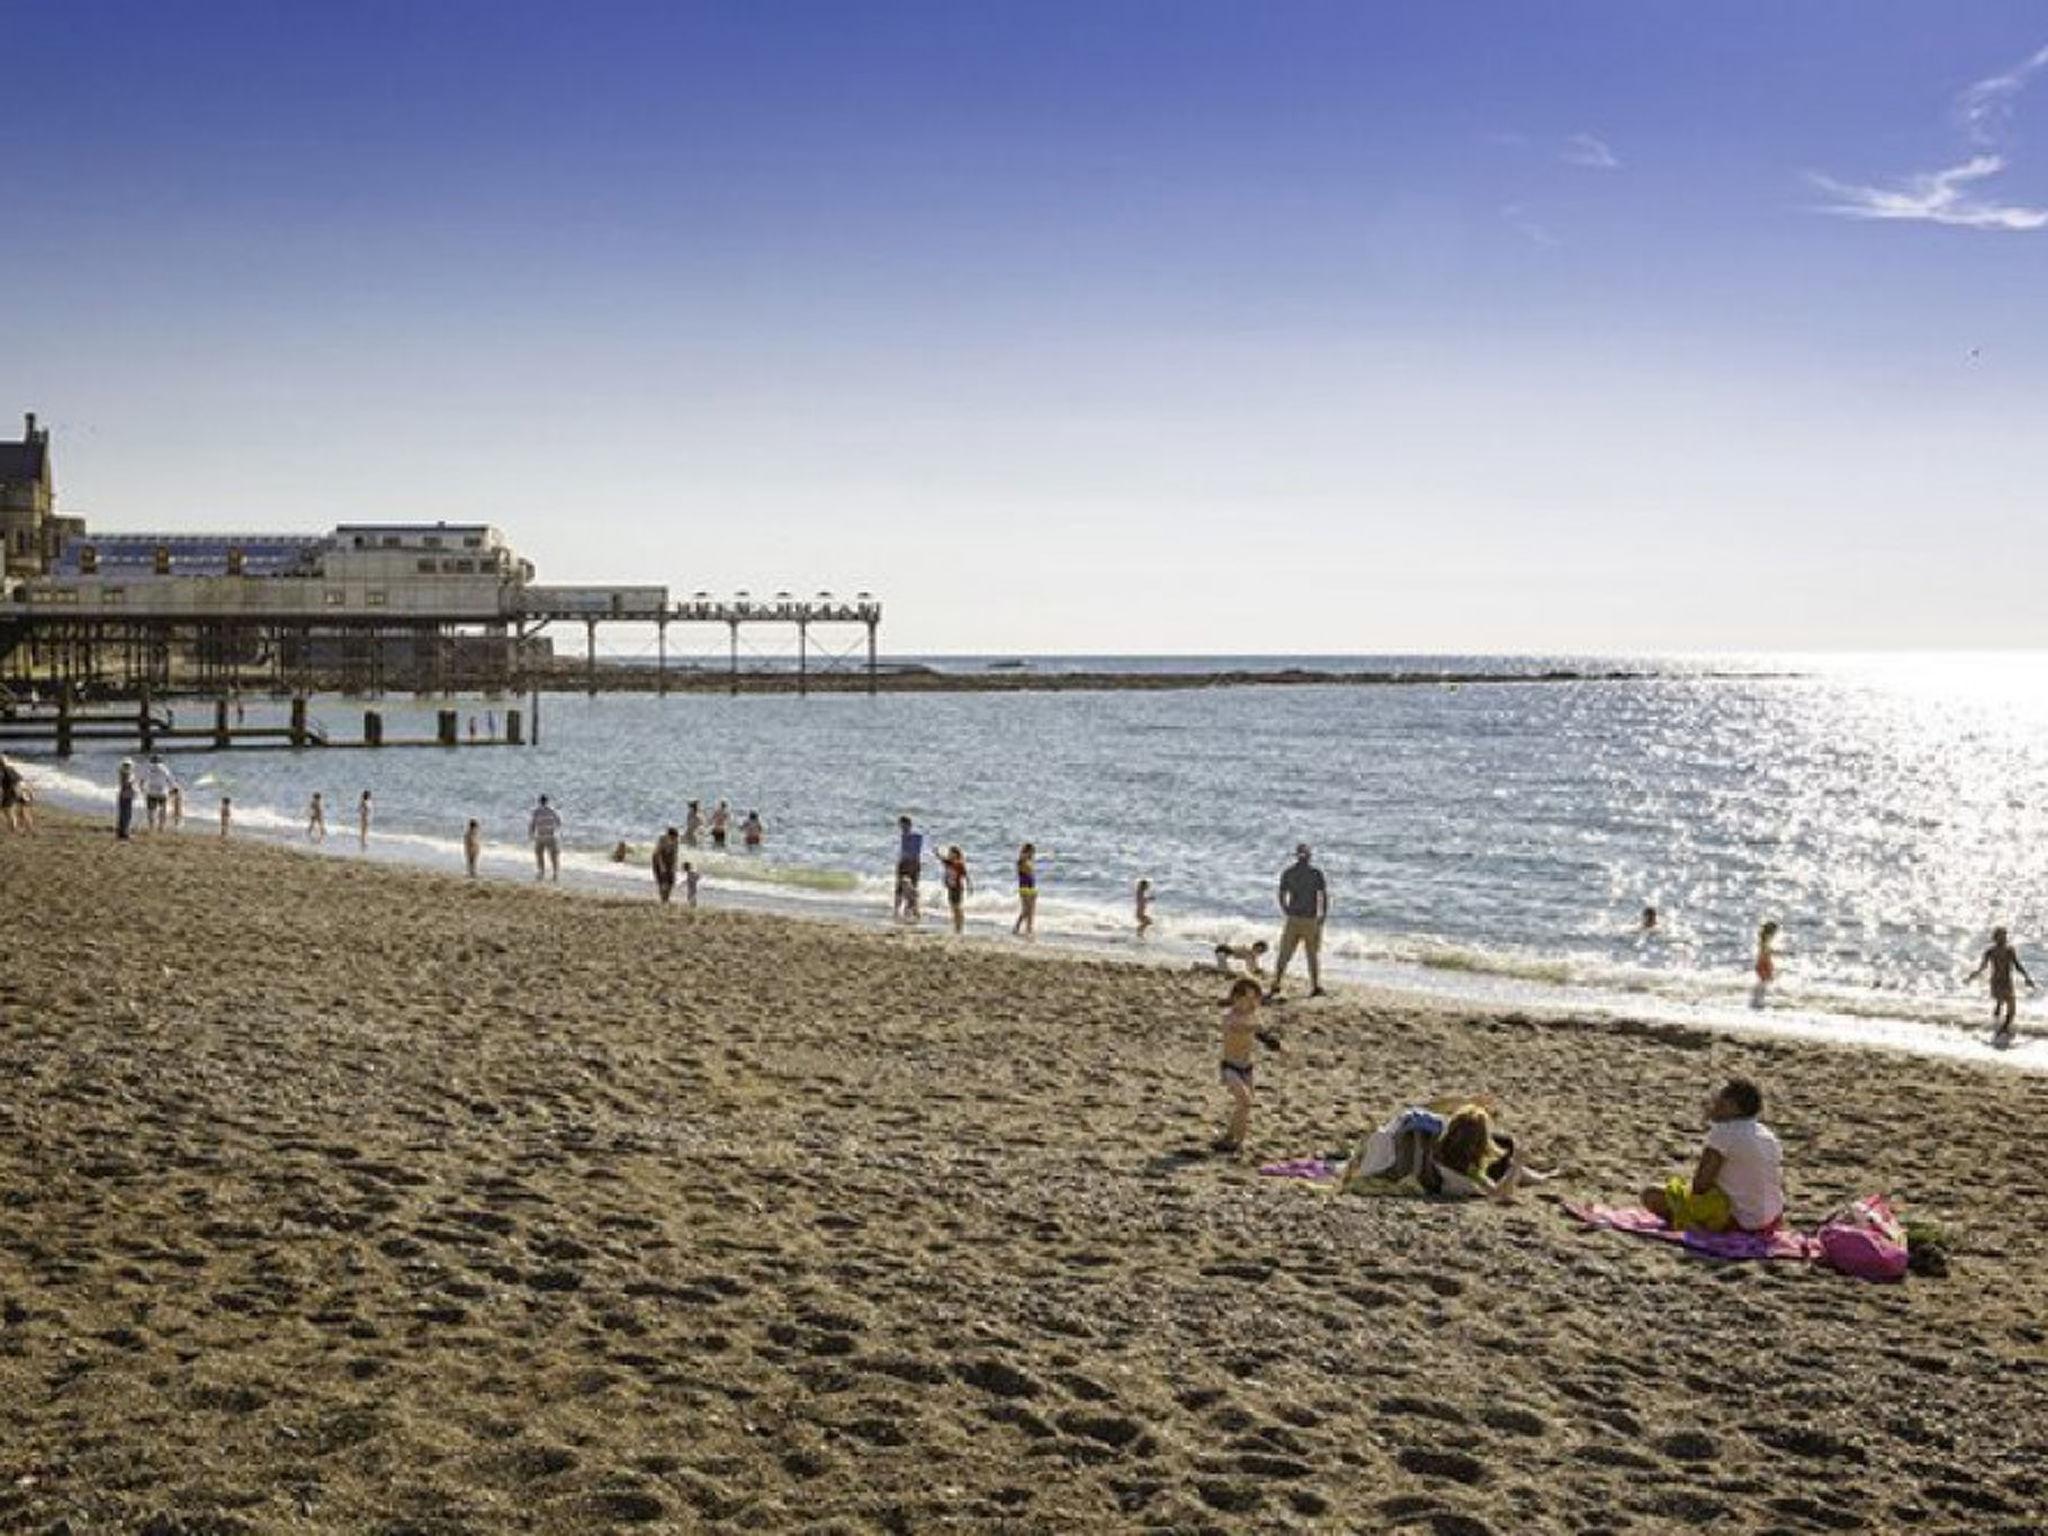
(1445, 1148)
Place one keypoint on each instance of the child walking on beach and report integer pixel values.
(227, 816)
(689, 884)
(1240, 1033)
(316, 820)
(1144, 907)
(472, 845)
(1739, 1183)
(2001, 959)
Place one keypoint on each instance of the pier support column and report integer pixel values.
(221, 740)
(590, 656)
(661, 658)
(298, 720)
(63, 719)
(802, 680)
(145, 727)
(871, 657)
(733, 654)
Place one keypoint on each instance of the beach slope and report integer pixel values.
(342, 1198)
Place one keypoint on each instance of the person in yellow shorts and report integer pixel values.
(1739, 1183)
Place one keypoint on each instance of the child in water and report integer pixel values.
(2002, 960)
(1766, 963)
(1144, 905)
(953, 871)
(1240, 1032)
(1739, 1182)
(227, 816)
(472, 844)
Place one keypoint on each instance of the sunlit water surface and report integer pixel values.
(1490, 840)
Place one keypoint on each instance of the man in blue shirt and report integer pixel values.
(909, 868)
(1304, 902)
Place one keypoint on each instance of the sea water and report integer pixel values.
(1495, 841)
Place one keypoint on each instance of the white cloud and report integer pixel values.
(1985, 108)
(1950, 196)
(1934, 197)
(1518, 218)
(1584, 149)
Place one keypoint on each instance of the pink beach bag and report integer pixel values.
(1865, 1239)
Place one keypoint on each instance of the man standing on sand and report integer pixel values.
(545, 828)
(1304, 903)
(909, 868)
(156, 793)
(124, 800)
(667, 849)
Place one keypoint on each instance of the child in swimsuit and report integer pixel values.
(1027, 892)
(1144, 907)
(953, 869)
(1240, 1032)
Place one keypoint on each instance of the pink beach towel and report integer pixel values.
(1778, 1243)
(1317, 1170)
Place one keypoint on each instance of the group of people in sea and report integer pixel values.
(1303, 894)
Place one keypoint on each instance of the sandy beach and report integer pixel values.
(340, 1198)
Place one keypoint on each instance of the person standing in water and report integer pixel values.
(472, 845)
(227, 816)
(953, 869)
(363, 821)
(721, 819)
(667, 850)
(909, 870)
(544, 826)
(316, 820)
(1026, 926)
(751, 830)
(1766, 963)
(693, 824)
(1144, 907)
(1304, 904)
(2002, 960)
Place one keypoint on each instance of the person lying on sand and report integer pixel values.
(1739, 1183)
(1448, 1147)
(1240, 1032)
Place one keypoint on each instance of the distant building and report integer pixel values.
(454, 572)
(29, 526)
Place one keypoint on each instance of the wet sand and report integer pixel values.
(343, 1198)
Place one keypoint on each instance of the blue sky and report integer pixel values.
(1116, 326)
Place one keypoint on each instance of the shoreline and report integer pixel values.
(339, 1194)
(1395, 983)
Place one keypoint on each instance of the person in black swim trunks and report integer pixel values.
(1240, 1032)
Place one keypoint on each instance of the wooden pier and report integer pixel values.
(62, 725)
(413, 645)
